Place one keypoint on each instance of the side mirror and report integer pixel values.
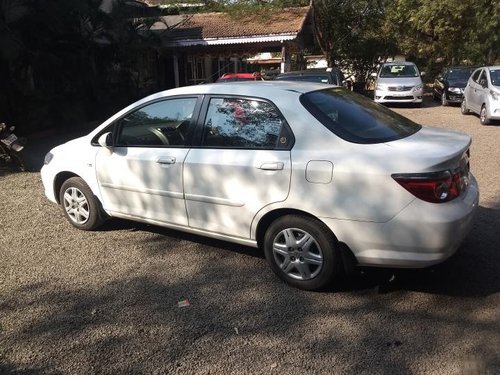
(106, 141)
(423, 74)
(374, 75)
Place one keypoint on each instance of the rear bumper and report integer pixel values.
(421, 235)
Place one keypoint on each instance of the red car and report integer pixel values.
(233, 77)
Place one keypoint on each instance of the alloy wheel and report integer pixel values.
(483, 116)
(463, 107)
(76, 205)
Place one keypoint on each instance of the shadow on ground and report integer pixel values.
(471, 272)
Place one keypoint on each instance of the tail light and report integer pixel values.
(437, 187)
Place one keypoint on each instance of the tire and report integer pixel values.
(463, 108)
(444, 101)
(309, 259)
(483, 116)
(79, 205)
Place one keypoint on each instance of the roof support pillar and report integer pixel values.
(176, 70)
(285, 62)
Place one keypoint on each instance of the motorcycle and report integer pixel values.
(11, 146)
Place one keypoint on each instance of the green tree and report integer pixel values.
(49, 53)
(455, 30)
(348, 33)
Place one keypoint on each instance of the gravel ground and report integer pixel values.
(106, 302)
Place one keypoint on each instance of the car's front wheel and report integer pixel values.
(79, 205)
(463, 107)
(302, 251)
(483, 116)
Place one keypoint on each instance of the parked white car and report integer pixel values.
(398, 82)
(313, 175)
(482, 94)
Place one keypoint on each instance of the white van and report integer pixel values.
(398, 82)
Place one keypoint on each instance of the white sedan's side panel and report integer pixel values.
(77, 157)
(143, 182)
(224, 189)
(409, 239)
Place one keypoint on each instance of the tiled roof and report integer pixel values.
(209, 26)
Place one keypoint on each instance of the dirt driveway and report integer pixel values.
(75, 302)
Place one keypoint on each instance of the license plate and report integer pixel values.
(399, 93)
(10, 139)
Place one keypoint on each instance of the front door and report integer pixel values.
(242, 165)
(142, 175)
(475, 91)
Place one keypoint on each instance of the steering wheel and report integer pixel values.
(160, 135)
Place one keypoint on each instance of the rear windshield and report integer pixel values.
(319, 78)
(459, 74)
(356, 118)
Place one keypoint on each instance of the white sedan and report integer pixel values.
(315, 176)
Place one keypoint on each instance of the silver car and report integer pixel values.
(482, 94)
(398, 82)
(314, 175)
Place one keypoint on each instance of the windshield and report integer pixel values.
(495, 77)
(398, 70)
(459, 74)
(356, 118)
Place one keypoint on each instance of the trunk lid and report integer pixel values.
(431, 149)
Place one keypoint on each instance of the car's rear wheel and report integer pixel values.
(444, 101)
(483, 116)
(79, 204)
(302, 251)
(463, 107)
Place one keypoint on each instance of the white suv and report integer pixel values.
(399, 82)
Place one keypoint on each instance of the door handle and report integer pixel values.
(274, 166)
(170, 160)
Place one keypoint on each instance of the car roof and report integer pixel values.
(304, 73)
(248, 88)
(276, 91)
(399, 63)
(462, 67)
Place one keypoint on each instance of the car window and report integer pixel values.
(495, 77)
(356, 118)
(165, 123)
(243, 123)
(482, 79)
(475, 76)
(398, 70)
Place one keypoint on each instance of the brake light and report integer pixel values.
(437, 187)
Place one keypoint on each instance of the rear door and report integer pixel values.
(242, 164)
